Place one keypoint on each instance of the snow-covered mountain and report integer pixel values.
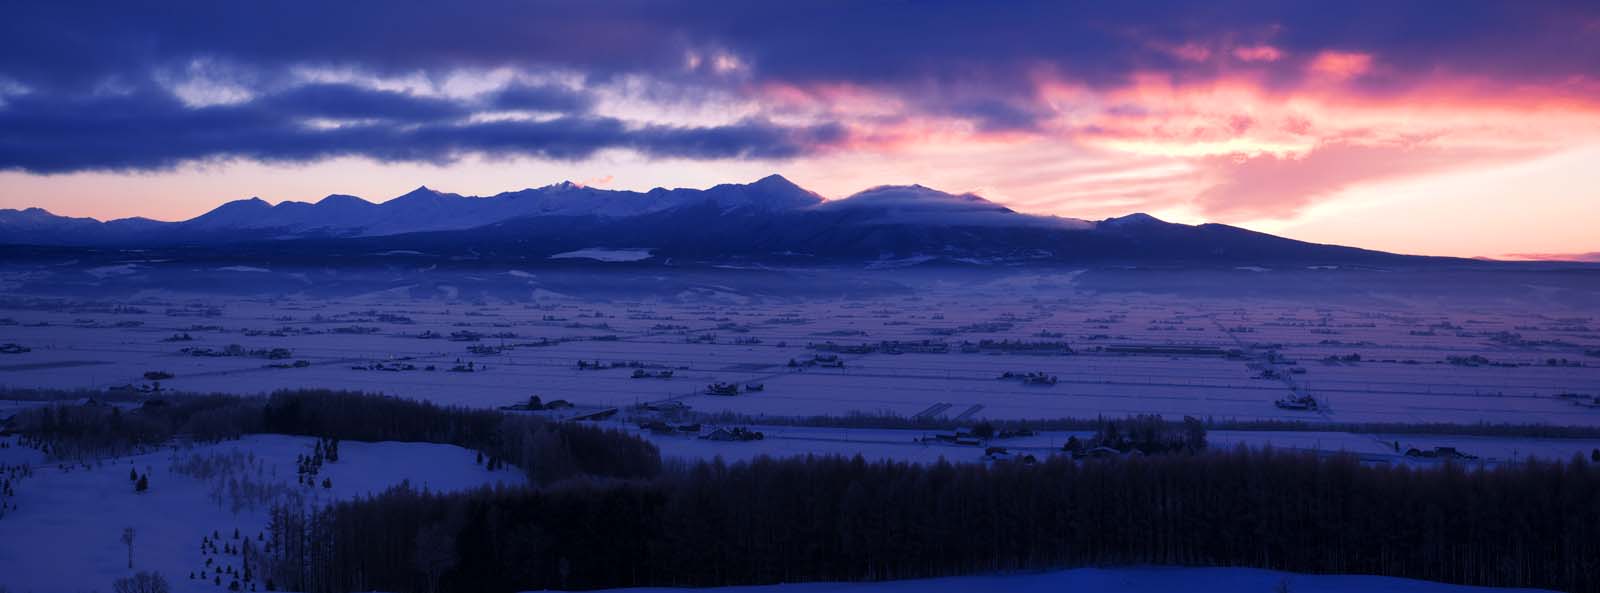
(424, 210)
(769, 218)
(918, 205)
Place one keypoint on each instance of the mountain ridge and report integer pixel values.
(771, 218)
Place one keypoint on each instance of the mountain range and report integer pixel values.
(771, 219)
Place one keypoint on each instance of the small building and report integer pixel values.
(1297, 402)
(1449, 453)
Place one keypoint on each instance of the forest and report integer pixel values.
(830, 518)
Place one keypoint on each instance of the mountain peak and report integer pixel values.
(341, 199)
(775, 180)
(422, 193)
(35, 214)
(770, 193)
(565, 185)
(248, 204)
(232, 214)
(919, 197)
(1137, 218)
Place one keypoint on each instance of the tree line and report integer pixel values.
(830, 518)
(889, 420)
(549, 451)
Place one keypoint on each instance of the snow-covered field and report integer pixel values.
(65, 532)
(1416, 363)
(1117, 580)
(1510, 365)
(606, 254)
(909, 445)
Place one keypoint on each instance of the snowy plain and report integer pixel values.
(1416, 364)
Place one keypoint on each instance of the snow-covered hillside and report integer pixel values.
(65, 532)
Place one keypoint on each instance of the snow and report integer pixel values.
(64, 535)
(117, 270)
(1403, 375)
(1115, 580)
(607, 254)
(908, 445)
(915, 204)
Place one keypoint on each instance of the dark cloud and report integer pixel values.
(951, 42)
(974, 60)
(345, 101)
(524, 97)
(150, 129)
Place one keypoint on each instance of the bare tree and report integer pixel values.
(436, 552)
(127, 540)
(142, 582)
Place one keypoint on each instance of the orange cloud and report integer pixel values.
(1274, 186)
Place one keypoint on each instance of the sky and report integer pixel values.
(1443, 127)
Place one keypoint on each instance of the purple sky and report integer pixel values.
(1442, 127)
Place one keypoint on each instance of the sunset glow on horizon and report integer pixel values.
(1441, 128)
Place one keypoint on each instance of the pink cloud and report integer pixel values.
(1257, 53)
(1341, 65)
(1231, 148)
(1191, 52)
(1275, 186)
